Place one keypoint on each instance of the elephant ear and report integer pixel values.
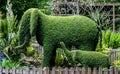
(63, 45)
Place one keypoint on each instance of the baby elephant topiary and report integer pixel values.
(85, 58)
(78, 31)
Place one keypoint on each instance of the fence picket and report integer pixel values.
(17, 71)
(60, 70)
(94, 70)
(20, 70)
(31, 71)
(115, 71)
(27, 71)
(111, 70)
(83, 70)
(80, 70)
(34, 70)
(0, 70)
(40, 71)
(46, 70)
(53, 70)
(89, 71)
(66, 70)
(71, 70)
(77, 70)
(106, 71)
(6, 70)
(13, 70)
(23, 71)
(100, 70)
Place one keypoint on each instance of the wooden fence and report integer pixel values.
(54, 70)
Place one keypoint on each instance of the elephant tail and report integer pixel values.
(28, 25)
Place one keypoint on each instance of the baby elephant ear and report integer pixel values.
(62, 44)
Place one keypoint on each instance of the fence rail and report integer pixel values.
(77, 70)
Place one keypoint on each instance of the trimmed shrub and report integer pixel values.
(86, 58)
(78, 31)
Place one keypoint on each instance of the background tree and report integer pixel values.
(19, 6)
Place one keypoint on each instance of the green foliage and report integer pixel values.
(118, 54)
(110, 39)
(98, 15)
(30, 51)
(30, 61)
(116, 64)
(3, 28)
(60, 59)
(9, 64)
(86, 58)
(44, 7)
(20, 6)
(9, 36)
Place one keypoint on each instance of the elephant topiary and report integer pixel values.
(78, 31)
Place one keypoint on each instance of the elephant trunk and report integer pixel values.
(28, 25)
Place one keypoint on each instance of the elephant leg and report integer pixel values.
(49, 55)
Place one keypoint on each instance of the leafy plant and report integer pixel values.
(8, 31)
(110, 39)
(60, 59)
(116, 64)
(98, 14)
(9, 64)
